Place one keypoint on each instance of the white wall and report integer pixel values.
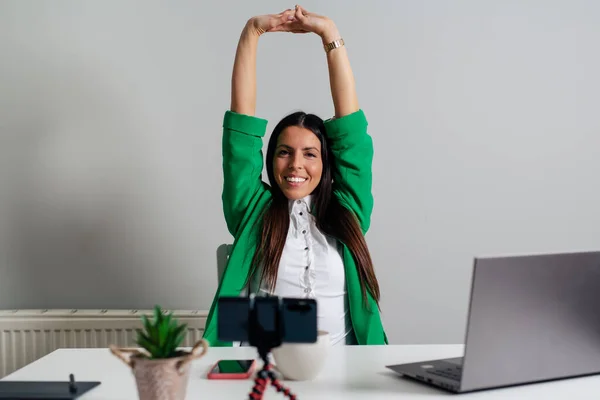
(483, 116)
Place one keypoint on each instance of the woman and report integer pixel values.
(302, 235)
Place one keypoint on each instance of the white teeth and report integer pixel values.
(298, 180)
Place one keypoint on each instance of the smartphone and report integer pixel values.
(232, 369)
(297, 318)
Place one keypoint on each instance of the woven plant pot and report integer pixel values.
(160, 379)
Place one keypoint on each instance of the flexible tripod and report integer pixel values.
(270, 322)
(263, 377)
(264, 340)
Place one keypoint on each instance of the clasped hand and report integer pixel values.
(296, 20)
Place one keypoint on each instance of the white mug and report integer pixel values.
(302, 361)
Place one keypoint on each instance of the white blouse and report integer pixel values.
(312, 266)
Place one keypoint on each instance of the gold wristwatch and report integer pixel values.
(333, 45)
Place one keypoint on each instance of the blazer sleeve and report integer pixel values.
(352, 149)
(242, 166)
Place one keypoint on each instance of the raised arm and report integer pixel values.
(242, 131)
(243, 81)
(347, 134)
(341, 78)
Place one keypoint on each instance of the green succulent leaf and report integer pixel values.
(147, 344)
(157, 315)
(162, 336)
(146, 323)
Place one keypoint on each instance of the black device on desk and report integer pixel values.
(532, 318)
(66, 390)
(266, 323)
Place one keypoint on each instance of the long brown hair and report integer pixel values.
(332, 218)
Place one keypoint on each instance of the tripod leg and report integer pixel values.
(262, 380)
(279, 387)
(260, 384)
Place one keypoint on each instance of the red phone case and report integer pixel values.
(244, 375)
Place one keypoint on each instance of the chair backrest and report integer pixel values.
(223, 252)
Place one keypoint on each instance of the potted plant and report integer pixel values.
(160, 368)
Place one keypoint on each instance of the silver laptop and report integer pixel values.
(532, 318)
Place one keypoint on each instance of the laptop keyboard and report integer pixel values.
(453, 372)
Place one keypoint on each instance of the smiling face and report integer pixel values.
(297, 163)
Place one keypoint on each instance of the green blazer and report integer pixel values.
(245, 196)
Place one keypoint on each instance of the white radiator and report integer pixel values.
(26, 335)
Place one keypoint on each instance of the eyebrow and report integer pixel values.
(291, 148)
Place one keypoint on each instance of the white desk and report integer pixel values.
(352, 372)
